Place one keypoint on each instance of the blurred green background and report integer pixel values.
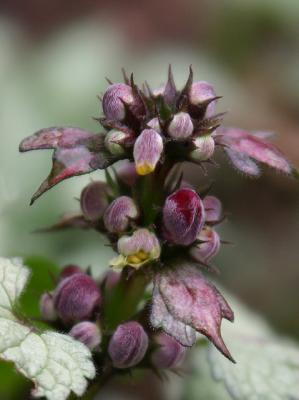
(54, 57)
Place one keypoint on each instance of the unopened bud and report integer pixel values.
(200, 92)
(209, 247)
(169, 352)
(119, 213)
(181, 126)
(115, 141)
(183, 217)
(128, 345)
(204, 147)
(88, 333)
(94, 200)
(213, 208)
(136, 250)
(155, 125)
(126, 172)
(69, 270)
(111, 279)
(147, 151)
(76, 298)
(115, 98)
(47, 308)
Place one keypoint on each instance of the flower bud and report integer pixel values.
(88, 333)
(200, 92)
(136, 250)
(69, 270)
(209, 247)
(47, 309)
(115, 141)
(115, 97)
(111, 279)
(76, 298)
(94, 200)
(169, 352)
(147, 151)
(119, 213)
(128, 345)
(181, 126)
(183, 217)
(213, 208)
(204, 147)
(126, 172)
(155, 125)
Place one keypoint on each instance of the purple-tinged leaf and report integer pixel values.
(68, 221)
(241, 144)
(243, 163)
(183, 299)
(76, 152)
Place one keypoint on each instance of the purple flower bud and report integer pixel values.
(136, 250)
(183, 216)
(94, 200)
(69, 270)
(147, 151)
(115, 141)
(204, 147)
(181, 126)
(111, 279)
(209, 247)
(155, 124)
(169, 352)
(47, 308)
(115, 97)
(126, 172)
(201, 91)
(119, 213)
(76, 298)
(88, 333)
(128, 345)
(213, 208)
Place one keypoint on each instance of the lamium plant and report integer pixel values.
(155, 301)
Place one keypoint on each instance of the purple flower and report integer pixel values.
(88, 333)
(200, 92)
(147, 151)
(203, 148)
(47, 309)
(128, 345)
(183, 216)
(94, 200)
(213, 209)
(181, 126)
(169, 352)
(208, 247)
(119, 213)
(126, 172)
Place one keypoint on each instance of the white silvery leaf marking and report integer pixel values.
(267, 366)
(56, 363)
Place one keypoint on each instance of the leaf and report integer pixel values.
(267, 365)
(243, 146)
(56, 363)
(76, 152)
(185, 302)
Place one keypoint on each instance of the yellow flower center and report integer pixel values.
(138, 257)
(144, 169)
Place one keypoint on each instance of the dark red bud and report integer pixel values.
(69, 270)
(169, 352)
(128, 345)
(76, 298)
(183, 216)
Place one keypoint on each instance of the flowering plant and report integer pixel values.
(163, 230)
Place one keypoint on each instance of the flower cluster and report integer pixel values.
(161, 228)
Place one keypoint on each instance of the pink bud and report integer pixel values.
(126, 172)
(213, 208)
(200, 92)
(181, 126)
(76, 298)
(209, 247)
(128, 345)
(115, 97)
(147, 151)
(47, 308)
(155, 125)
(88, 333)
(183, 216)
(169, 352)
(204, 147)
(119, 213)
(94, 200)
(116, 141)
(69, 270)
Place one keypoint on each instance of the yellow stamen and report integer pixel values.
(144, 169)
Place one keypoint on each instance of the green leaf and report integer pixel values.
(56, 363)
(267, 365)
